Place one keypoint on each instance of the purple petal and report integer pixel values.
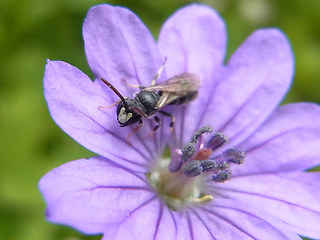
(93, 195)
(118, 45)
(288, 141)
(230, 219)
(257, 77)
(249, 88)
(97, 196)
(74, 100)
(292, 197)
(194, 41)
(153, 221)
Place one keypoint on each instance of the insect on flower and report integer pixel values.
(178, 90)
(201, 190)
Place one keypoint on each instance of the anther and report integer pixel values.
(203, 199)
(188, 150)
(209, 165)
(234, 155)
(222, 165)
(216, 141)
(199, 132)
(192, 168)
(222, 176)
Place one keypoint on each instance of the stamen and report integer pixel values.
(188, 150)
(223, 165)
(217, 141)
(193, 168)
(234, 155)
(201, 131)
(179, 180)
(203, 199)
(222, 176)
(176, 161)
(209, 165)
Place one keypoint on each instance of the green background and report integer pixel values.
(31, 31)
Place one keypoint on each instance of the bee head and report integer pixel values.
(129, 110)
(127, 113)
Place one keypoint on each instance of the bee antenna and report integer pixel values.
(115, 91)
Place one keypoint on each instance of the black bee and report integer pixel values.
(178, 90)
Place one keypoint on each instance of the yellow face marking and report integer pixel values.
(128, 116)
(122, 117)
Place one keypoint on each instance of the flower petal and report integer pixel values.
(118, 45)
(193, 39)
(74, 100)
(257, 77)
(292, 197)
(230, 219)
(288, 141)
(151, 221)
(93, 195)
(245, 93)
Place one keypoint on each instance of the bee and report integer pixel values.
(178, 90)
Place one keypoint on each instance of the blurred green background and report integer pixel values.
(31, 31)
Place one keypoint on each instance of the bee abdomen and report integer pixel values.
(188, 97)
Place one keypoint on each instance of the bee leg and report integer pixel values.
(130, 84)
(110, 106)
(173, 119)
(158, 73)
(157, 119)
(135, 129)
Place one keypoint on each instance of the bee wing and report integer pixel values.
(167, 98)
(176, 87)
(179, 84)
(164, 99)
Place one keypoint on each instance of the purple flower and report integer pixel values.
(131, 191)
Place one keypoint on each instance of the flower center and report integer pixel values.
(182, 179)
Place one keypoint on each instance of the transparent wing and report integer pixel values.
(175, 87)
(178, 85)
(165, 99)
